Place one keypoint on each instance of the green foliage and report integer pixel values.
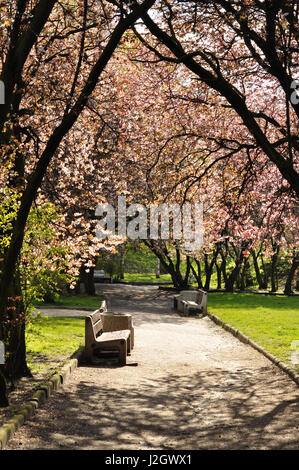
(43, 265)
(110, 264)
(140, 260)
(9, 202)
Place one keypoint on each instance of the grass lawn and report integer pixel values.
(80, 300)
(148, 277)
(50, 341)
(270, 321)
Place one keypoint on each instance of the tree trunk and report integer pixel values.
(188, 269)
(258, 275)
(232, 278)
(197, 274)
(208, 272)
(219, 275)
(12, 333)
(89, 282)
(274, 259)
(178, 280)
(291, 274)
(243, 273)
(3, 388)
(224, 255)
(265, 275)
(161, 252)
(209, 268)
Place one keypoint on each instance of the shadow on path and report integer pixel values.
(205, 410)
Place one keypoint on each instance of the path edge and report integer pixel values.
(246, 340)
(38, 398)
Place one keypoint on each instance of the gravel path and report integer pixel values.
(195, 387)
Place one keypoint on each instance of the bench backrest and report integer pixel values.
(191, 295)
(93, 326)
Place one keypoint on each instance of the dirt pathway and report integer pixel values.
(195, 387)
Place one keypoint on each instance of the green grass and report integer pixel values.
(52, 340)
(80, 300)
(147, 277)
(270, 321)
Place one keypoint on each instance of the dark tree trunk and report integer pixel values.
(188, 269)
(89, 282)
(197, 274)
(219, 275)
(209, 267)
(291, 274)
(274, 259)
(265, 275)
(223, 250)
(232, 278)
(243, 274)
(179, 281)
(224, 273)
(258, 275)
(13, 336)
(208, 272)
(77, 287)
(3, 388)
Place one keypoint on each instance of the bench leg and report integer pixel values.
(123, 350)
(186, 310)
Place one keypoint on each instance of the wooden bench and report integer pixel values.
(96, 340)
(115, 321)
(191, 302)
